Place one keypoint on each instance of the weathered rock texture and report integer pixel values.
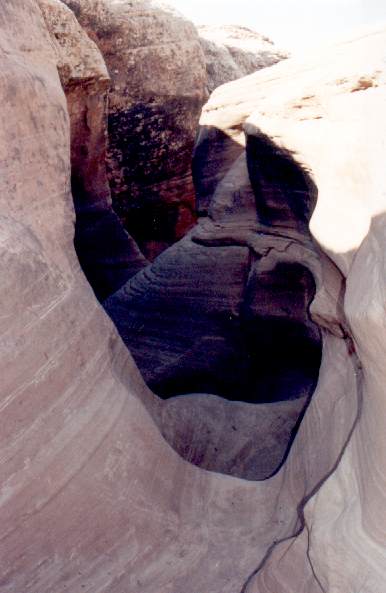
(108, 255)
(158, 76)
(92, 497)
(246, 338)
(232, 51)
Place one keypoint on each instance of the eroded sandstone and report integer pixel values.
(226, 310)
(92, 497)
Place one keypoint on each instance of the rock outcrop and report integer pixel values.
(92, 497)
(232, 51)
(108, 255)
(248, 339)
(157, 69)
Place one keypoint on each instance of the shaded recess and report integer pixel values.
(283, 345)
(213, 156)
(107, 253)
(285, 193)
(219, 322)
(249, 340)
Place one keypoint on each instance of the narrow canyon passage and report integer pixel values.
(219, 323)
(107, 487)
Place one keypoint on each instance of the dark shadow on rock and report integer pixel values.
(227, 318)
(213, 155)
(285, 193)
(207, 319)
(151, 146)
(107, 254)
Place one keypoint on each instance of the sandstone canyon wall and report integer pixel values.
(92, 496)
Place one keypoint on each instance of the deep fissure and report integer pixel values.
(221, 332)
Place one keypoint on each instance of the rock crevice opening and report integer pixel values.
(87, 478)
(219, 324)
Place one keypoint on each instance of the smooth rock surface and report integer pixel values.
(158, 76)
(239, 439)
(233, 51)
(349, 225)
(92, 497)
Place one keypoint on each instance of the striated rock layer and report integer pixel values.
(92, 497)
(158, 76)
(232, 51)
(226, 311)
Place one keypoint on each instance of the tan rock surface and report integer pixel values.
(158, 78)
(233, 51)
(330, 118)
(92, 498)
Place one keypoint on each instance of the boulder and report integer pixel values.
(158, 79)
(233, 51)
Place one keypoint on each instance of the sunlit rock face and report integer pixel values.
(335, 128)
(232, 51)
(158, 80)
(92, 497)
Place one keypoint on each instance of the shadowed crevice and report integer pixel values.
(219, 327)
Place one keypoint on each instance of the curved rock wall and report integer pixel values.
(337, 132)
(92, 497)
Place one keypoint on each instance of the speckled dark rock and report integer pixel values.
(158, 75)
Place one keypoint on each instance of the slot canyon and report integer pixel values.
(192, 306)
